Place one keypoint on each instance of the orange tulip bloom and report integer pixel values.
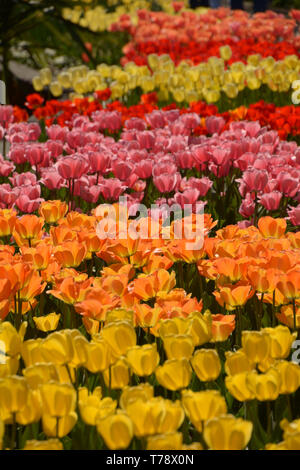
(33, 287)
(77, 221)
(286, 316)
(119, 268)
(8, 219)
(206, 268)
(67, 273)
(70, 254)
(231, 297)
(146, 287)
(28, 230)
(156, 262)
(146, 316)
(231, 270)
(270, 227)
(294, 239)
(62, 234)
(263, 280)
(289, 284)
(178, 303)
(283, 261)
(92, 242)
(38, 257)
(176, 251)
(123, 248)
(52, 211)
(70, 291)
(96, 304)
(52, 269)
(115, 285)
(222, 327)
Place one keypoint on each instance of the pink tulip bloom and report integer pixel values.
(271, 201)
(112, 188)
(214, 124)
(294, 215)
(135, 123)
(166, 182)
(247, 207)
(99, 161)
(72, 167)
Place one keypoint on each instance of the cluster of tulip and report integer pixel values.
(149, 366)
(156, 160)
(211, 80)
(99, 18)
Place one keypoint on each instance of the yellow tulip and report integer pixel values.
(117, 375)
(256, 345)
(10, 339)
(174, 374)
(201, 406)
(227, 433)
(200, 327)
(179, 346)
(59, 426)
(206, 363)
(237, 362)
(143, 360)
(99, 356)
(237, 386)
(93, 408)
(58, 399)
(146, 416)
(47, 322)
(143, 391)
(172, 418)
(225, 52)
(265, 386)
(8, 366)
(116, 430)
(120, 335)
(281, 341)
(289, 376)
(14, 392)
(58, 347)
(32, 411)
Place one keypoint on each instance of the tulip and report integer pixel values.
(265, 386)
(281, 341)
(222, 327)
(120, 336)
(237, 362)
(39, 374)
(116, 430)
(72, 167)
(178, 346)
(32, 411)
(93, 408)
(289, 376)
(99, 356)
(143, 359)
(31, 351)
(174, 374)
(143, 392)
(14, 393)
(52, 211)
(59, 426)
(48, 322)
(117, 376)
(237, 386)
(58, 399)
(58, 347)
(256, 345)
(201, 406)
(227, 433)
(206, 364)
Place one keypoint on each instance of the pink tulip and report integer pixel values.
(294, 215)
(255, 180)
(56, 132)
(25, 204)
(214, 124)
(72, 167)
(135, 123)
(271, 201)
(99, 161)
(166, 182)
(146, 139)
(189, 196)
(112, 188)
(287, 185)
(144, 168)
(19, 179)
(6, 114)
(122, 170)
(247, 207)
(52, 179)
(156, 119)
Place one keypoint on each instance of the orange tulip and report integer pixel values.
(146, 316)
(178, 303)
(70, 254)
(28, 230)
(8, 219)
(52, 211)
(34, 286)
(222, 327)
(286, 316)
(96, 304)
(146, 287)
(263, 280)
(270, 227)
(156, 262)
(233, 296)
(289, 284)
(70, 291)
(231, 270)
(92, 242)
(62, 234)
(38, 257)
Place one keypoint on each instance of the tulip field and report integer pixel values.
(150, 235)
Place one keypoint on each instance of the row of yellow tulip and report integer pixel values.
(182, 83)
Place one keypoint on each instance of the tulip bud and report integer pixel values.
(48, 322)
(117, 375)
(143, 360)
(206, 363)
(179, 346)
(174, 374)
(14, 392)
(256, 345)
